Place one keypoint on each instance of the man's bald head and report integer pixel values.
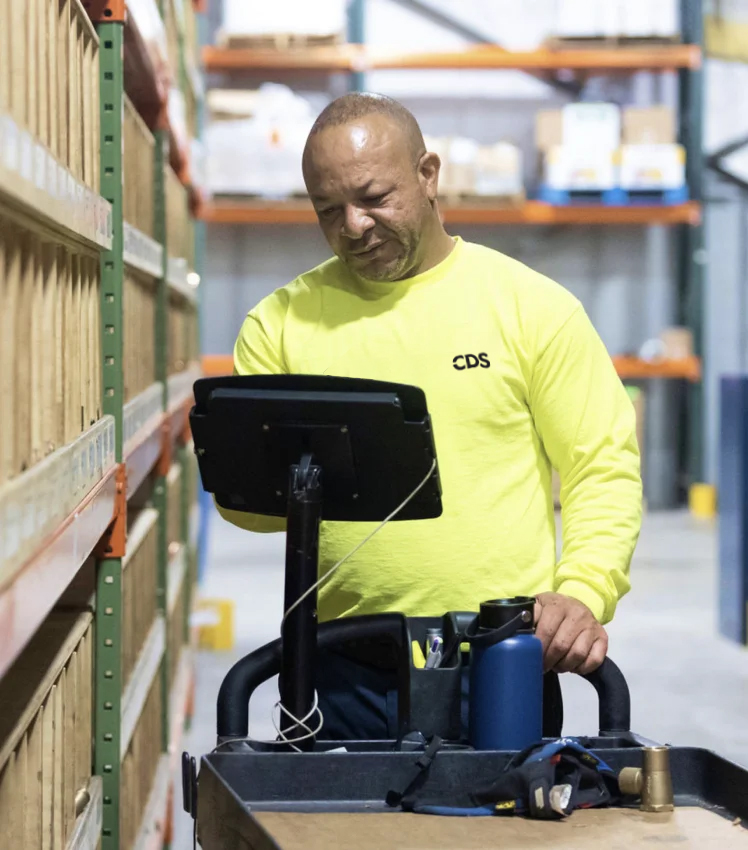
(351, 108)
(374, 186)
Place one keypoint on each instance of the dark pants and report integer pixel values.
(359, 701)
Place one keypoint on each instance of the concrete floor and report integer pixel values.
(688, 686)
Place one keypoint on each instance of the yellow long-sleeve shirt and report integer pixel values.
(517, 381)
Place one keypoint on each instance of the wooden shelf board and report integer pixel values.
(153, 826)
(143, 451)
(41, 193)
(251, 211)
(136, 690)
(350, 57)
(179, 702)
(36, 587)
(142, 84)
(148, 91)
(157, 821)
(628, 368)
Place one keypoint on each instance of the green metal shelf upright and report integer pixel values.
(109, 19)
(108, 651)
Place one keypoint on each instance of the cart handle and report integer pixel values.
(232, 709)
(613, 698)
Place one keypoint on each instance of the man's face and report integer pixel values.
(372, 196)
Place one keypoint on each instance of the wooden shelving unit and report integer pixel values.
(257, 212)
(104, 414)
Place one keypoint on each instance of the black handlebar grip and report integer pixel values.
(613, 698)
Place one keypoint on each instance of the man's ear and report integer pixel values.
(428, 174)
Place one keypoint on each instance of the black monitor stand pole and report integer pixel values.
(299, 630)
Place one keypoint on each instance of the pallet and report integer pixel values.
(608, 42)
(278, 41)
(612, 197)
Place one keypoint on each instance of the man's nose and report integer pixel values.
(356, 222)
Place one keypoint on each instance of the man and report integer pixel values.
(517, 382)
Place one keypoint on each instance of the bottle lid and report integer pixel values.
(496, 613)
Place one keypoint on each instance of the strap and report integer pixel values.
(423, 763)
(494, 636)
(475, 638)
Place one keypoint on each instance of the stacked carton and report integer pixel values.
(597, 147)
(595, 19)
(470, 169)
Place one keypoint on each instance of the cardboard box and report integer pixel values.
(592, 125)
(645, 19)
(300, 17)
(578, 18)
(580, 169)
(649, 125)
(549, 129)
(459, 175)
(498, 170)
(678, 343)
(652, 167)
(666, 23)
(637, 19)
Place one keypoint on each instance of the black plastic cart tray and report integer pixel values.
(285, 801)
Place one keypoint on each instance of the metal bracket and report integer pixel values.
(106, 11)
(189, 784)
(113, 544)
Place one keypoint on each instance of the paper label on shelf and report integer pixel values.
(12, 530)
(26, 156)
(51, 176)
(62, 183)
(40, 167)
(10, 143)
(90, 212)
(80, 213)
(42, 499)
(29, 519)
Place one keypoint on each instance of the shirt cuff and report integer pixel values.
(586, 594)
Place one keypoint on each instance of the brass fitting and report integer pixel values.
(652, 781)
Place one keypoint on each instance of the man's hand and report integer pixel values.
(573, 640)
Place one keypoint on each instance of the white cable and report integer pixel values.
(362, 543)
(302, 724)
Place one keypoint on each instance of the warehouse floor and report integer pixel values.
(688, 686)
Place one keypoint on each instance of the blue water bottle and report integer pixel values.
(506, 676)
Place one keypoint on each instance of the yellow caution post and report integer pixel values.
(702, 501)
(214, 620)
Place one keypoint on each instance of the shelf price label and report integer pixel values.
(26, 156)
(10, 142)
